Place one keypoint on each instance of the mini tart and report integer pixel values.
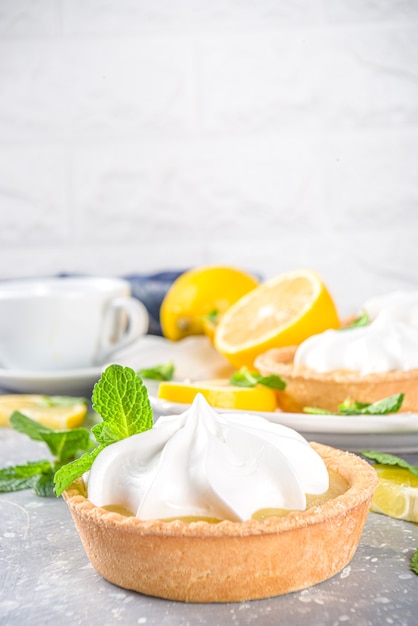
(305, 387)
(229, 561)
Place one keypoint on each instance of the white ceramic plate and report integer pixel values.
(194, 358)
(390, 433)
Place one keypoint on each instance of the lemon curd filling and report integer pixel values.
(204, 465)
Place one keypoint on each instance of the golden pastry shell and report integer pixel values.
(229, 561)
(305, 387)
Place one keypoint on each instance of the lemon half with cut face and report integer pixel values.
(283, 311)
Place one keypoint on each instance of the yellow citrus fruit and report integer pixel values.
(220, 394)
(196, 294)
(282, 311)
(397, 493)
(53, 411)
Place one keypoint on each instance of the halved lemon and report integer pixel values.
(56, 412)
(397, 493)
(196, 294)
(220, 394)
(282, 311)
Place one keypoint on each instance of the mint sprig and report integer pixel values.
(391, 404)
(121, 399)
(384, 458)
(245, 378)
(158, 372)
(64, 445)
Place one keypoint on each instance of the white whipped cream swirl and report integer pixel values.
(382, 346)
(208, 464)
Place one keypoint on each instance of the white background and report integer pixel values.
(143, 135)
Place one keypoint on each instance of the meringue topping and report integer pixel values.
(384, 345)
(207, 464)
(401, 305)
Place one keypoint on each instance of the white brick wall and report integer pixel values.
(140, 135)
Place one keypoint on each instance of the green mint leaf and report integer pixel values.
(385, 458)
(18, 477)
(391, 404)
(414, 562)
(67, 474)
(245, 378)
(28, 426)
(159, 372)
(273, 381)
(353, 406)
(66, 444)
(61, 401)
(44, 484)
(361, 320)
(213, 316)
(316, 411)
(105, 433)
(63, 444)
(121, 398)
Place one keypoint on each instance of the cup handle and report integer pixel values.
(125, 320)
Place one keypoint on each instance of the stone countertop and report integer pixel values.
(46, 578)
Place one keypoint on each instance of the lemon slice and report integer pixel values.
(55, 412)
(283, 311)
(220, 394)
(197, 293)
(397, 493)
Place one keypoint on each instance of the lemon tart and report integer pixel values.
(228, 542)
(366, 364)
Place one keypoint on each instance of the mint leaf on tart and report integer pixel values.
(121, 399)
(361, 320)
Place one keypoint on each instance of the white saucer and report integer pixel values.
(66, 382)
(194, 354)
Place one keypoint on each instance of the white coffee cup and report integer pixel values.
(66, 323)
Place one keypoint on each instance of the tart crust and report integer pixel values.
(305, 387)
(229, 561)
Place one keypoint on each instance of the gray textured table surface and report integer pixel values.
(45, 577)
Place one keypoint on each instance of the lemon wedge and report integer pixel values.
(196, 294)
(397, 493)
(56, 413)
(220, 394)
(283, 311)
